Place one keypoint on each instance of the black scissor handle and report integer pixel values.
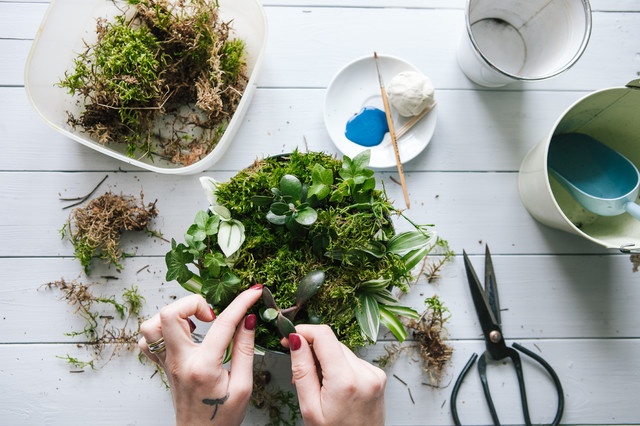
(515, 357)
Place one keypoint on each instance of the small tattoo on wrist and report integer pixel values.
(215, 402)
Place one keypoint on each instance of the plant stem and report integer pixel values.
(194, 285)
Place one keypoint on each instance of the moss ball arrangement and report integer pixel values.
(317, 234)
(164, 77)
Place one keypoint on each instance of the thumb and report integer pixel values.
(305, 374)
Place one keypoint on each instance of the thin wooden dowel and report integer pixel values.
(392, 133)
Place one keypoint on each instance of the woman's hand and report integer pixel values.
(334, 386)
(203, 391)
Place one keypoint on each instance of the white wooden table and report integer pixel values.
(574, 302)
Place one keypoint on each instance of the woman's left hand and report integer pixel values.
(203, 391)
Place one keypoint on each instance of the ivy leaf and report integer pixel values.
(368, 316)
(230, 236)
(214, 263)
(306, 216)
(285, 327)
(176, 261)
(389, 320)
(269, 314)
(220, 290)
(279, 208)
(201, 219)
(275, 219)
(320, 175)
(309, 285)
(268, 299)
(211, 227)
(261, 200)
(369, 184)
(291, 186)
(319, 190)
(195, 233)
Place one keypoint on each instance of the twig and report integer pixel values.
(394, 180)
(142, 269)
(400, 380)
(411, 396)
(82, 199)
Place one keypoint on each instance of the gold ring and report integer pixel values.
(157, 346)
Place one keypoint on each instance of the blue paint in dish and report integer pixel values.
(367, 128)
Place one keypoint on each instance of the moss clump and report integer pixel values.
(277, 258)
(161, 64)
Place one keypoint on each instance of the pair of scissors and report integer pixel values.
(487, 306)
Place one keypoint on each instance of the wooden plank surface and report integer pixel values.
(569, 300)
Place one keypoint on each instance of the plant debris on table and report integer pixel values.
(95, 229)
(429, 334)
(164, 77)
(317, 234)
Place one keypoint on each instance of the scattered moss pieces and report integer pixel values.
(161, 64)
(95, 230)
(282, 406)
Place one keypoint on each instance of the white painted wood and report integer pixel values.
(570, 300)
(495, 136)
(425, 37)
(460, 204)
(542, 297)
(600, 383)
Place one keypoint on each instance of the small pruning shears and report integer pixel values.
(487, 306)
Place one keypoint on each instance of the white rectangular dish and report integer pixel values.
(62, 35)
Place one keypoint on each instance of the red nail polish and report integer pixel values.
(256, 287)
(213, 314)
(192, 325)
(250, 322)
(294, 342)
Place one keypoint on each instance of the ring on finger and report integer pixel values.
(157, 346)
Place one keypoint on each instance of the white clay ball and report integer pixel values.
(410, 93)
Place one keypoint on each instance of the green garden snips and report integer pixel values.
(486, 302)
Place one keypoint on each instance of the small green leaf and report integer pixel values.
(275, 219)
(269, 314)
(320, 175)
(176, 261)
(361, 161)
(389, 320)
(306, 216)
(279, 208)
(220, 290)
(309, 285)
(211, 228)
(214, 263)
(285, 327)
(405, 242)
(201, 219)
(261, 200)
(291, 186)
(369, 184)
(319, 190)
(368, 316)
(403, 311)
(196, 233)
(375, 285)
(412, 258)
(268, 299)
(230, 236)
(221, 211)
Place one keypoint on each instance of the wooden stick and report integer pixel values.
(412, 122)
(392, 132)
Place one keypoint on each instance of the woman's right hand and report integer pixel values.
(334, 386)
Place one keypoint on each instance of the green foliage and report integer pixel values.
(349, 237)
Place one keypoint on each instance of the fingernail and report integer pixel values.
(213, 314)
(294, 342)
(256, 287)
(192, 325)
(250, 322)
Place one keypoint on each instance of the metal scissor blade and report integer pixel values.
(483, 309)
(491, 286)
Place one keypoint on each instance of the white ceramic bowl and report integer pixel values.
(356, 86)
(60, 38)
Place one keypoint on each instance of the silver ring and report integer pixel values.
(157, 346)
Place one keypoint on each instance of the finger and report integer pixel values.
(305, 376)
(241, 374)
(358, 363)
(173, 321)
(142, 344)
(151, 331)
(223, 329)
(327, 348)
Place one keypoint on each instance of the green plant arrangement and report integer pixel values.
(317, 234)
(161, 64)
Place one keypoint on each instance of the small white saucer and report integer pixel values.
(356, 86)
